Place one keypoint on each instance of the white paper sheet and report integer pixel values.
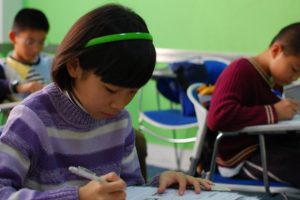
(149, 193)
(292, 91)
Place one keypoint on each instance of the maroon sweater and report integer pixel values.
(242, 97)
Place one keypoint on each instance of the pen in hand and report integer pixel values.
(85, 173)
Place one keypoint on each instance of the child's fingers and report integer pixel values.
(195, 182)
(114, 186)
(207, 185)
(292, 101)
(118, 195)
(162, 187)
(114, 182)
(181, 178)
(201, 180)
(110, 177)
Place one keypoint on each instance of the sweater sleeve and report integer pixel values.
(236, 102)
(18, 154)
(130, 171)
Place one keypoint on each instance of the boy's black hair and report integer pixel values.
(289, 37)
(127, 63)
(30, 18)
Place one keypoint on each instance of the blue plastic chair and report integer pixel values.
(170, 118)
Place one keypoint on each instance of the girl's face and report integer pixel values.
(101, 100)
(284, 68)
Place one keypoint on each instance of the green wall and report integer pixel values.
(241, 26)
(209, 25)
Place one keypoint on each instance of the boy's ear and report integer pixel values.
(12, 37)
(73, 67)
(276, 49)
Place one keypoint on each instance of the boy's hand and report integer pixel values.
(169, 178)
(113, 189)
(29, 87)
(286, 108)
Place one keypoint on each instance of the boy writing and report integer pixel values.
(244, 96)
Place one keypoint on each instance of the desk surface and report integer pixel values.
(288, 125)
(165, 55)
(7, 106)
(163, 72)
(149, 193)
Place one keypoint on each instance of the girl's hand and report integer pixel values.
(169, 178)
(113, 189)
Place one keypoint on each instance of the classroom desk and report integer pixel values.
(7, 106)
(287, 125)
(149, 193)
(282, 127)
(165, 55)
(163, 72)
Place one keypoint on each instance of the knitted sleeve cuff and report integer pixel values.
(155, 181)
(270, 111)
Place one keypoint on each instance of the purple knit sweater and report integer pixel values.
(47, 133)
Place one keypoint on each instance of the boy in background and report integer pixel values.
(244, 96)
(26, 69)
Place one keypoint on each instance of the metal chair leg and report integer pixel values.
(263, 156)
(177, 156)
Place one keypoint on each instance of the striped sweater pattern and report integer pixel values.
(47, 133)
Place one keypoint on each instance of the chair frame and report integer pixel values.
(263, 155)
(201, 114)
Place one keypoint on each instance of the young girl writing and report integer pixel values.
(79, 120)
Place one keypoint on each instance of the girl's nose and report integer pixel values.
(119, 103)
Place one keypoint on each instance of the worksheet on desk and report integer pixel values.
(292, 91)
(296, 119)
(149, 193)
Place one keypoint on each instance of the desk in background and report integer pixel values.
(282, 127)
(287, 125)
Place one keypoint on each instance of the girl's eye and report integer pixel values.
(110, 90)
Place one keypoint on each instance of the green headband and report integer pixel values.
(119, 37)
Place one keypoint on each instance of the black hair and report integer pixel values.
(289, 37)
(127, 63)
(30, 18)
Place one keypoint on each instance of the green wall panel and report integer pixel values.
(208, 25)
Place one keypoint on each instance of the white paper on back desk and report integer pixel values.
(149, 193)
(292, 91)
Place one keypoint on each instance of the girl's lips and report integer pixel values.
(108, 115)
